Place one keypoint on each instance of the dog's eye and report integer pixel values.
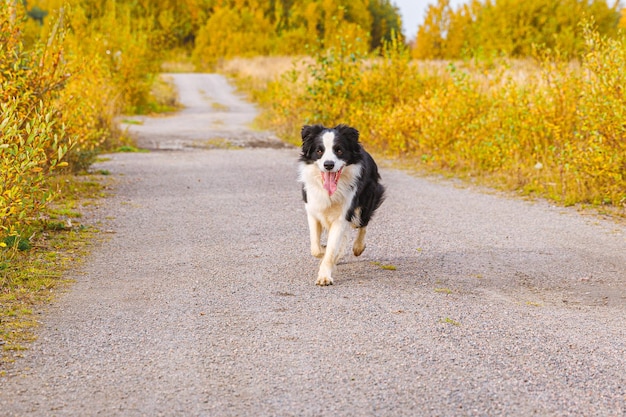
(339, 151)
(319, 152)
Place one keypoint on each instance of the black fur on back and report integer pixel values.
(370, 193)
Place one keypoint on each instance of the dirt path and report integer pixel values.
(203, 302)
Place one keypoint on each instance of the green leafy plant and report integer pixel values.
(448, 320)
(32, 142)
(387, 267)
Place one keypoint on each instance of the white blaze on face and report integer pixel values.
(328, 139)
(330, 178)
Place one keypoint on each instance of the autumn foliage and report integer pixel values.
(63, 80)
(244, 28)
(543, 126)
(32, 139)
(527, 95)
(512, 28)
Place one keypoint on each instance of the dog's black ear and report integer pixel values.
(311, 131)
(348, 132)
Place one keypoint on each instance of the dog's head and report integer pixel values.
(330, 149)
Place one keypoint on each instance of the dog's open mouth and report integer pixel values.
(330, 180)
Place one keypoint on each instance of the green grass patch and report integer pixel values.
(217, 143)
(65, 212)
(33, 268)
(448, 320)
(16, 242)
(130, 149)
(386, 267)
(533, 304)
(132, 122)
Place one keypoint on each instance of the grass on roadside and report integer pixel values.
(34, 266)
(163, 96)
(32, 273)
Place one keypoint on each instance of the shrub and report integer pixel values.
(242, 32)
(61, 86)
(548, 127)
(600, 114)
(32, 142)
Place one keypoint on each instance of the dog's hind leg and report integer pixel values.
(359, 242)
(315, 230)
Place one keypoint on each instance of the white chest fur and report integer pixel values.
(320, 204)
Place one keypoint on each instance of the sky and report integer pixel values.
(413, 12)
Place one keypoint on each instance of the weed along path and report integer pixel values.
(203, 301)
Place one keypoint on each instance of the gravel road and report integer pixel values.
(202, 302)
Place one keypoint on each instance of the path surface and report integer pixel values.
(203, 302)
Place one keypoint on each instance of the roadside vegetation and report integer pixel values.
(70, 68)
(535, 105)
(540, 126)
(540, 118)
(66, 73)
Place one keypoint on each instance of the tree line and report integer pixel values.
(512, 28)
(211, 30)
(218, 29)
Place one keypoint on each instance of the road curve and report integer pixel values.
(203, 301)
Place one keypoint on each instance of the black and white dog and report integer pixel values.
(340, 187)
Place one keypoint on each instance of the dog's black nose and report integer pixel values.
(329, 165)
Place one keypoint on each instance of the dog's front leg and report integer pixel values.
(334, 249)
(315, 230)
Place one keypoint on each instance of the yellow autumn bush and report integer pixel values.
(32, 142)
(247, 28)
(232, 32)
(62, 83)
(549, 127)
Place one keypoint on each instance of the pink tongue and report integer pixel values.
(330, 181)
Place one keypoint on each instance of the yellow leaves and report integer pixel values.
(31, 139)
(545, 128)
(622, 19)
(293, 28)
(242, 32)
(512, 28)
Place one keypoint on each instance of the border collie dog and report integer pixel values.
(340, 187)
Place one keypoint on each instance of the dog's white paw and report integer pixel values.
(324, 280)
(318, 252)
